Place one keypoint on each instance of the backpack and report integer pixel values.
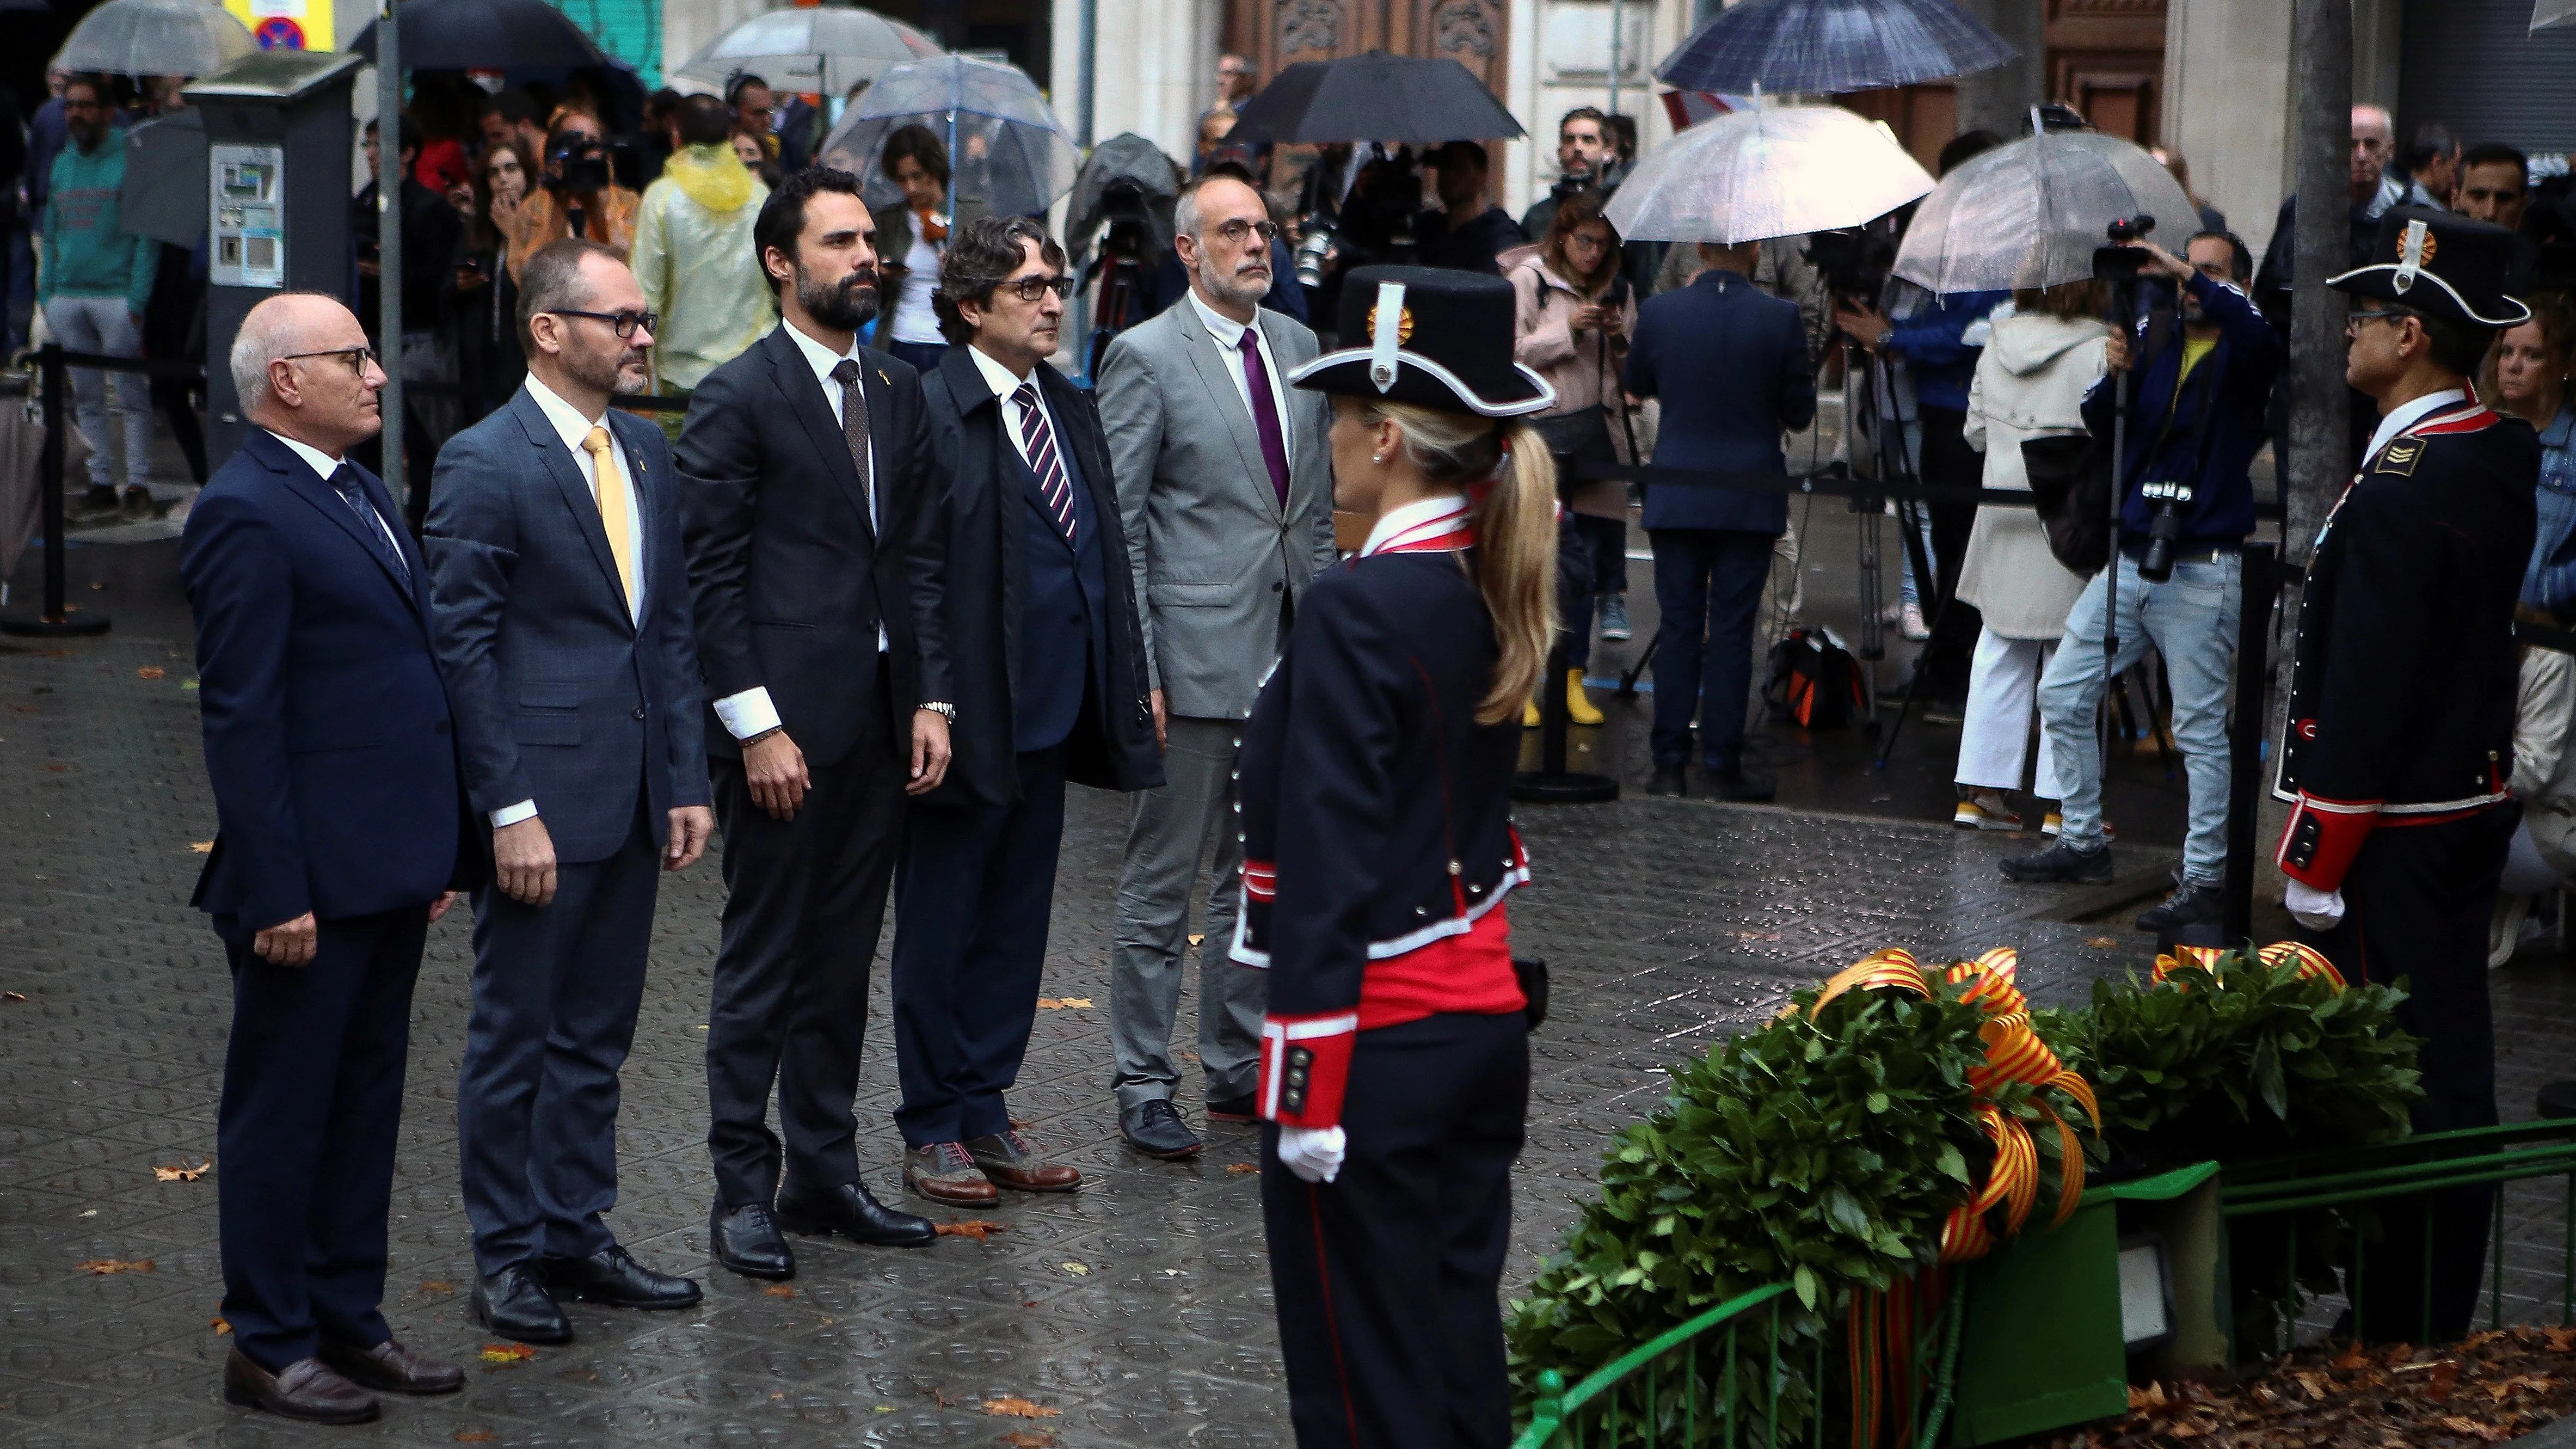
(1815, 683)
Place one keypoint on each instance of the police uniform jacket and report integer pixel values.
(2403, 676)
(1378, 841)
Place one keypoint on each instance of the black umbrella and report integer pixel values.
(1377, 97)
(1127, 178)
(1832, 47)
(485, 35)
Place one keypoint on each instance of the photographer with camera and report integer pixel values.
(2195, 421)
(575, 195)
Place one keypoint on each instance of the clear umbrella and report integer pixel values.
(1832, 47)
(1763, 172)
(2031, 213)
(1007, 153)
(155, 37)
(817, 49)
(2545, 13)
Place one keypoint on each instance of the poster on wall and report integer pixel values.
(286, 24)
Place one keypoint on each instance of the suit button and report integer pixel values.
(1275, 588)
(639, 711)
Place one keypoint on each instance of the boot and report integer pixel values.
(1579, 709)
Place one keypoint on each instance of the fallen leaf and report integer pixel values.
(150, 671)
(182, 1174)
(1077, 1269)
(436, 1285)
(475, 1436)
(104, 1266)
(1028, 1439)
(1061, 1003)
(977, 1228)
(2104, 943)
(1196, 937)
(938, 1396)
(219, 1326)
(2561, 1340)
(1013, 1407)
(201, 847)
(2475, 1430)
(1243, 1167)
(2315, 1386)
(2445, 1374)
(13, 996)
(778, 1290)
(506, 1352)
(2353, 1358)
(191, 684)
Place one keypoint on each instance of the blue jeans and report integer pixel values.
(1708, 585)
(924, 356)
(2191, 620)
(1591, 562)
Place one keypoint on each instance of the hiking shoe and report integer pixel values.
(2197, 903)
(1614, 619)
(2063, 863)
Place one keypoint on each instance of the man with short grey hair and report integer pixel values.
(1225, 490)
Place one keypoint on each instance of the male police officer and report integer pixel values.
(2402, 703)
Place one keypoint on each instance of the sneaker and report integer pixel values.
(2197, 903)
(99, 501)
(1911, 625)
(2053, 825)
(1614, 618)
(137, 506)
(2062, 863)
(1984, 810)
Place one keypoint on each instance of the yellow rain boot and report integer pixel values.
(1530, 717)
(1578, 709)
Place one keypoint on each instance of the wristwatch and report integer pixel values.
(1886, 335)
(943, 709)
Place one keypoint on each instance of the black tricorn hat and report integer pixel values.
(2441, 264)
(1430, 336)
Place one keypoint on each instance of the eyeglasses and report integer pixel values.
(358, 358)
(2352, 324)
(1029, 289)
(624, 322)
(1236, 230)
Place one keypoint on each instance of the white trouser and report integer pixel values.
(102, 325)
(1994, 738)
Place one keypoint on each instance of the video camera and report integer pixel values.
(1374, 224)
(577, 167)
(1855, 262)
(2121, 262)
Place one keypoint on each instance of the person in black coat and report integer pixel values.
(1378, 851)
(809, 515)
(2403, 689)
(1047, 667)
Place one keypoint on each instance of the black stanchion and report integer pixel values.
(2262, 589)
(54, 620)
(1552, 783)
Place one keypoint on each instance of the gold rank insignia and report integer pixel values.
(2400, 457)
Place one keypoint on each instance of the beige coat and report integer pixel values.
(1583, 372)
(2030, 383)
(2544, 768)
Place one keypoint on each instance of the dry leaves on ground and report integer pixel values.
(183, 1174)
(2104, 943)
(1078, 1269)
(475, 1436)
(1014, 1407)
(150, 671)
(436, 1285)
(13, 996)
(1243, 1167)
(778, 1290)
(1029, 1439)
(104, 1266)
(506, 1352)
(977, 1228)
(1062, 1003)
(201, 847)
(219, 1326)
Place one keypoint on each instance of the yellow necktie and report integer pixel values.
(612, 507)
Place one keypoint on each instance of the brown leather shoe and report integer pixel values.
(1009, 1160)
(393, 1369)
(306, 1389)
(942, 1172)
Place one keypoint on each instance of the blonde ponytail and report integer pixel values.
(1515, 532)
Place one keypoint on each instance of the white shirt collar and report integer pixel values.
(570, 425)
(1421, 515)
(2407, 415)
(999, 378)
(819, 357)
(1227, 331)
(321, 462)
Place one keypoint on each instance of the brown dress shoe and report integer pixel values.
(393, 1369)
(1009, 1160)
(306, 1389)
(942, 1172)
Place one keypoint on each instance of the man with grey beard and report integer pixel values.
(1226, 493)
(809, 511)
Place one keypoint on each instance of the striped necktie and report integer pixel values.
(1037, 440)
(354, 493)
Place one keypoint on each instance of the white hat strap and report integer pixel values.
(2410, 254)
(1386, 334)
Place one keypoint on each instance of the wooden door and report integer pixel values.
(1274, 34)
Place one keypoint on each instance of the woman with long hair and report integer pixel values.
(1574, 315)
(2530, 366)
(1375, 780)
(482, 299)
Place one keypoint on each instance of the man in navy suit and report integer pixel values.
(1046, 661)
(561, 611)
(1731, 366)
(338, 840)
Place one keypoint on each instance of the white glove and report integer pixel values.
(2315, 909)
(1313, 1153)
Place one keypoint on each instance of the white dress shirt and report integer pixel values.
(2407, 415)
(1229, 336)
(999, 379)
(326, 465)
(751, 712)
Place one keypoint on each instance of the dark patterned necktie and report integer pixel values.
(354, 493)
(854, 426)
(1037, 440)
(1265, 414)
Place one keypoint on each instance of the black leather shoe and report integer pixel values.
(746, 1240)
(392, 1369)
(1741, 787)
(611, 1276)
(848, 1209)
(513, 1304)
(1668, 780)
(306, 1389)
(1155, 1128)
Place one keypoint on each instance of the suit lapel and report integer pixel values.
(795, 381)
(304, 483)
(556, 460)
(1079, 441)
(1216, 374)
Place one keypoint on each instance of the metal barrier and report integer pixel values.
(54, 618)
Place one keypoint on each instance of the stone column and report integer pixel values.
(1155, 73)
(2000, 99)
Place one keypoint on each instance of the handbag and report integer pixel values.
(2070, 485)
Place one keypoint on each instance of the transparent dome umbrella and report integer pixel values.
(1766, 171)
(1007, 152)
(2545, 13)
(155, 37)
(2030, 214)
(1832, 47)
(826, 49)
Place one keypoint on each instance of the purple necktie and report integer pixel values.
(1265, 414)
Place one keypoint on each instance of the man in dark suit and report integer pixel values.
(561, 611)
(815, 560)
(1731, 366)
(1048, 665)
(338, 840)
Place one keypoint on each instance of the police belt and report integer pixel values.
(1827, 483)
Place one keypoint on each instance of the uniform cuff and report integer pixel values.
(513, 814)
(748, 713)
(2322, 838)
(1305, 1064)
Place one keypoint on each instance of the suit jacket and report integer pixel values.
(562, 696)
(1112, 745)
(1214, 555)
(328, 737)
(1730, 363)
(790, 581)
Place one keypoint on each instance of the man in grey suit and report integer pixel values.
(560, 610)
(1225, 487)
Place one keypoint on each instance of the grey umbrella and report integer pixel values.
(2031, 213)
(155, 37)
(164, 195)
(2545, 13)
(817, 48)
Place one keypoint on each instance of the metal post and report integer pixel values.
(2245, 738)
(2320, 402)
(1090, 72)
(54, 620)
(1616, 58)
(389, 180)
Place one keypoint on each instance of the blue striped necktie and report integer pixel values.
(354, 493)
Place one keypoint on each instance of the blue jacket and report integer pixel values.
(328, 738)
(563, 696)
(1929, 341)
(2232, 385)
(1730, 363)
(2550, 582)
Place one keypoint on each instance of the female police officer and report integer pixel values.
(1376, 775)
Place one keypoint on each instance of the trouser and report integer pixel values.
(169, 318)
(1994, 737)
(973, 892)
(1169, 829)
(556, 988)
(1387, 1277)
(1948, 462)
(312, 1106)
(2416, 906)
(1591, 564)
(805, 901)
(2191, 620)
(102, 325)
(1708, 584)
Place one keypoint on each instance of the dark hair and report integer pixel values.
(512, 106)
(2496, 153)
(1572, 214)
(782, 216)
(480, 228)
(922, 145)
(408, 136)
(704, 121)
(741, 82)
(98, 88)
(1963, 146)
(2431, 142)
(2457, 346)
(551, 281)
(1621, 132)
(2240, 262)
(2067, 301)
(981, 255)
(1473, 152)
(1599, 119)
